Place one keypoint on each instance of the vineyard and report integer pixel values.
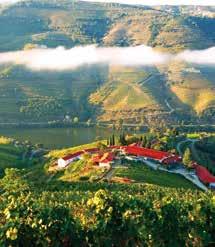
(101, 214)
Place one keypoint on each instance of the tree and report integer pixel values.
(89, 122)
(144, 141)
(187, 158)
(122, 139)
(76, 120)
(101, 146)
(113, 140)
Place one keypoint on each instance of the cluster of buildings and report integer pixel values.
(111, 154)
(115, 154)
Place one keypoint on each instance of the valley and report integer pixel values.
(109, 93)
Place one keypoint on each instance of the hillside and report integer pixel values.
(51, 23)
(11, 155)
(136, 94)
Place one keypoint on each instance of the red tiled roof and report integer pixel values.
(108, 157)
(146, 152)
(88, 150)
(204, 175)
(91, 150)
(104, 158)
(96, 159)
(165, 157)
(70, 156)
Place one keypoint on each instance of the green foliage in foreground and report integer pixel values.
(140, 215)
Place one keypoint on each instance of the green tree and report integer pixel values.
(122, 140)
(113, 139)
(75, 120)
(187, 158)
(89, 121)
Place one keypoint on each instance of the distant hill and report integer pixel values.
(167, 93)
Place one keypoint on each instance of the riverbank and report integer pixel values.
(125, 126)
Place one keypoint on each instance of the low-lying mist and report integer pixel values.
(59, 59)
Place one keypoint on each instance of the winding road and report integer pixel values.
(169, 106)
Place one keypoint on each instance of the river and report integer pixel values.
(54, 138)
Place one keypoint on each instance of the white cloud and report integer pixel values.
(206, 57)
(64, 59)
(159, 2)
(60, 59)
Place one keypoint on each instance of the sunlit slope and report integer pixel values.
(161, 30)
(129, 90)
(194, 86)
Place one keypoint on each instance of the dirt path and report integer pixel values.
(109, 174)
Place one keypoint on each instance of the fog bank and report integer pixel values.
(60, 59)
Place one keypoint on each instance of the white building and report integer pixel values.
(65, 161)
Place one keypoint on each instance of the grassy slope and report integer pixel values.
(10, 156)
(142, 174)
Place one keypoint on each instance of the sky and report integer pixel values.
(144, 2)
(60, 59)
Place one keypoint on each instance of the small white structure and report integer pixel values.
(65, 161)
(106, 164)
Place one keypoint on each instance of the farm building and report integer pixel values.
(66, 160)
(104, 160)
(204, 175)
(160, 156)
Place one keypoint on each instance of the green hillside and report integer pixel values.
(10, 155)
(172, 93)
(70, 23)
(47, 96)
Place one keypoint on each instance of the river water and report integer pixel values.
(58, 137)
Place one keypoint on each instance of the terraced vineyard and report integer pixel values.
(169, 93)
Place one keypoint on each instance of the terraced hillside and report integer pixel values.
(137, 94)
(47, 96)
(69, 23)
(194, 86)
(130, 92)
